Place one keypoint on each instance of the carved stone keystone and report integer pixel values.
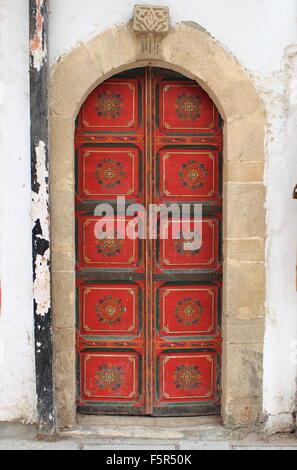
(152, 23)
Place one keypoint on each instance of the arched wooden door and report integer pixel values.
(148, 311)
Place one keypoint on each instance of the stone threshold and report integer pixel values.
(138, 427)
(141, 433)
(148, 421)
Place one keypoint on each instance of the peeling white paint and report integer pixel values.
(38, 49)
(41, 285)
(40, 200)
(39, 56)
(280, 372)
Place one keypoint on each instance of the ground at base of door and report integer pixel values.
(206, 437)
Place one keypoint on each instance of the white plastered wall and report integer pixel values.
(17, 381)
(262, 35)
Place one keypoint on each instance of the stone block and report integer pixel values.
(64, 343)
(244, 290)
(244, 210)
(243, 370)
(244, 249)
(242, 411)
(63, 294)
(61, 153)
(244, 330)
(244, 136)
(66, 100)
(113, 49)
(244, 171)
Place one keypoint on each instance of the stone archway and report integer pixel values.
(191, 51)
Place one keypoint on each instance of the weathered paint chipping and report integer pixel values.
(40, 215)
(40, 218)
(38, 45)
(40, 197)
(41, 286)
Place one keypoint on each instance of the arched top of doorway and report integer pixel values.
(187, 50)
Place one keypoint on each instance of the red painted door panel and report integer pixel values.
(112, 107)
(185, 107)
(109, 376)
(188, 310)
(189, 175)
(117, 252)
(175, 255)
(148, 310)
(187, 377)
(108, 309)
(104, 172)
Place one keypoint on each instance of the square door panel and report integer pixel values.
(186, 376)
(188, 310)
(115, 250)
(108, 172)
(109, 309)
(109, 376)
(189, 175)
(186, 107)
(111, 107)
(176, 251)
